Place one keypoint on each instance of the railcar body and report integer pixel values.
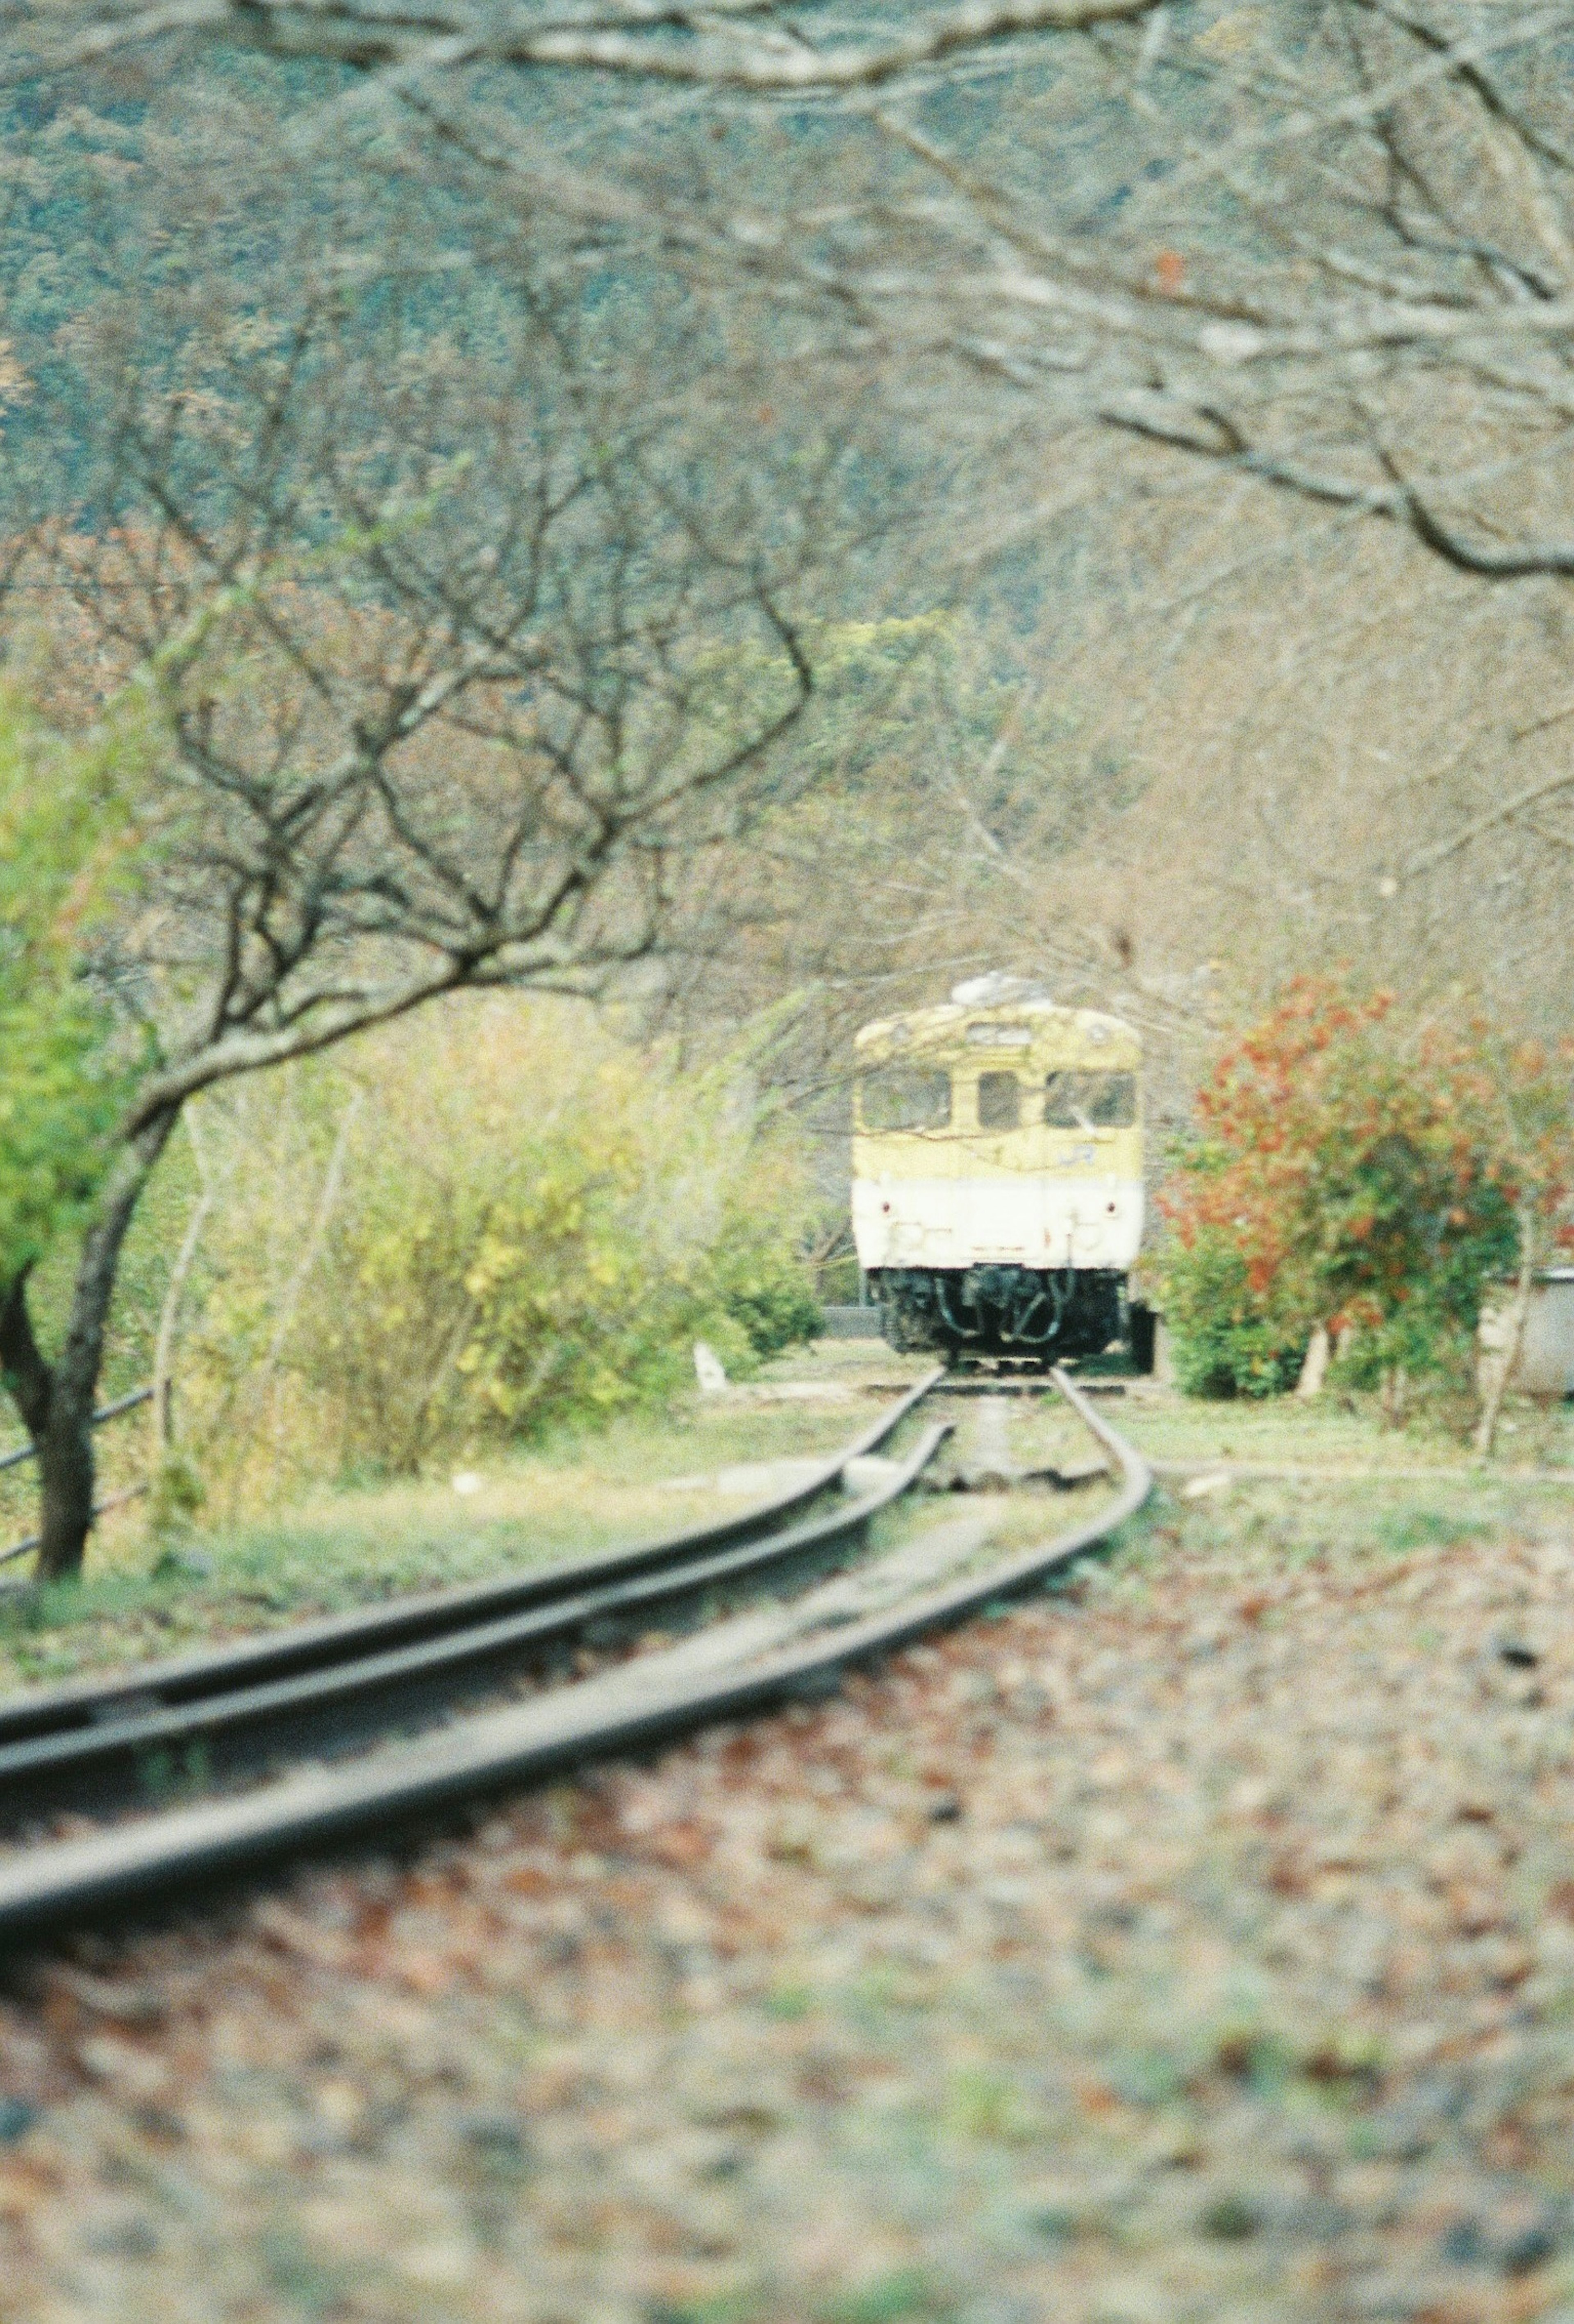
(998, 1174)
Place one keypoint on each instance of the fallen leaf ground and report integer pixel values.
(1195, 1944)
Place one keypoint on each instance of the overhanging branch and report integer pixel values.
(612, 41)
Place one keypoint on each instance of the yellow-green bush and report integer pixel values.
(485, 1222)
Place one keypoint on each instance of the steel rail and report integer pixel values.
(633, 1708)
(85, 1704)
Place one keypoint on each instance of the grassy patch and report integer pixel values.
(1361, 1504)
(359, 1542)
(350, 1546)
(1337, 1429)
(1425, 1528)
(1267, 1526)
(890, 2299)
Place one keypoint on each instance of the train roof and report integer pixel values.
(949, 1020)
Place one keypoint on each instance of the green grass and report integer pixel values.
(1336, 1429)
(1283, 1524)
(1424, 1527)
(339, 1548)
(1373, 1510)
(894, 2297)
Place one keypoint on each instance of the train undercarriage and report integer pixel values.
(1047, 1313)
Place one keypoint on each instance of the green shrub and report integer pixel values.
(67, 1053)
(1345, 1176)
(1224, 1339)
(757, 1273)
(489, 1221)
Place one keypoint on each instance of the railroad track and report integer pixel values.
(235, 1712)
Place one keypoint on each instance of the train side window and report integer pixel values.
(999, 1102)
(1089, 1100)
(904, 1097)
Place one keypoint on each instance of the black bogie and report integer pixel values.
(1051, 1313)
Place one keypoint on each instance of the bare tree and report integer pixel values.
(456, 634)
(1323, 246)
(753, 46)
(1325, 243)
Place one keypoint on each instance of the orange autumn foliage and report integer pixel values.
(1344, 1174)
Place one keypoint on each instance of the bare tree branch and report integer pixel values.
(693, 46)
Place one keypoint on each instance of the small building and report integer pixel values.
(1545, 1364)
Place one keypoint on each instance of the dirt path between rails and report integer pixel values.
(1200, 1947)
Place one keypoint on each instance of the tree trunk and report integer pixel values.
(56, 1400)
(64, 1446)
(1314, 1368)
(65, 1469)
(1500, 1365)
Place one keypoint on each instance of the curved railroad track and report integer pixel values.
(238, 1711)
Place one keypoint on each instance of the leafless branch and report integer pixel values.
(747, 49)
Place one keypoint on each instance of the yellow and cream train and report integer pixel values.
(997, 1175)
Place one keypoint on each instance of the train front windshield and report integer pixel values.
(1090, 1100)
(904, 1097)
